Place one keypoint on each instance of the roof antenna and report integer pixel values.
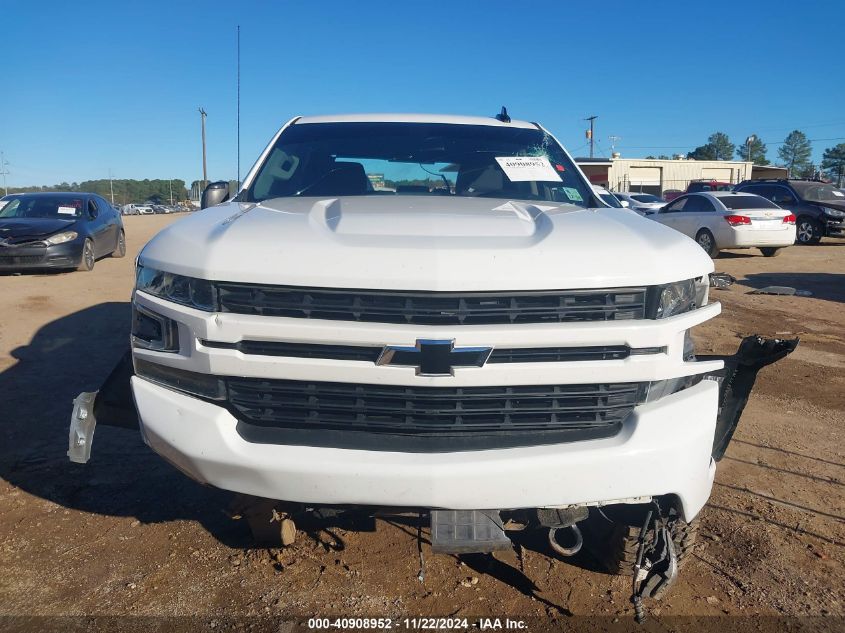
(503, 116)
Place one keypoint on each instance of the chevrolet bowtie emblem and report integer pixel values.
(437, 357)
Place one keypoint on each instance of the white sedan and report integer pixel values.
(643, 203)
(726, 219)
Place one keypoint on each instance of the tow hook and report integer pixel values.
(656, 566)
(573, 549)
(560, 519)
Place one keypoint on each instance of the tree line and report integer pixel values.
(794, 153)
(125, 190)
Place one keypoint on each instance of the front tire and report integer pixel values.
(120, 249)
(88, 259)
(616, 550)
(770, 251)
(808, 231)
(706, 241)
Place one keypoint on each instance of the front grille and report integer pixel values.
(20, 260)
(433, 308)
(427, 418)
(372, 353)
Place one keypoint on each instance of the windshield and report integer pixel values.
(645, 197)
(418, 159)
(819, 191)
(36, 206)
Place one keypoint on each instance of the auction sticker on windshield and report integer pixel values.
(523, 168)
(67, 210)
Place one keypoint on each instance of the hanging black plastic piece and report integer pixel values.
(503, 116)
(737, 378)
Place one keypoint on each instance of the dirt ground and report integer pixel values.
(128, 534)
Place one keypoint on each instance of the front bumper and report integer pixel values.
(67, 255)
(834, 227)
(663, 448)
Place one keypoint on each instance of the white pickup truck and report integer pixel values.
(438, 314)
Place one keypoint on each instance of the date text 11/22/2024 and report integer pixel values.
(417, 624)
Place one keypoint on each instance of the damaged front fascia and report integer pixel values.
(737, 379)
(114, 405)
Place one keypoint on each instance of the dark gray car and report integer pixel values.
(58, 230)
(819, 208)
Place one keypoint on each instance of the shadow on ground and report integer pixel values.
(827, 286)
(124, 478)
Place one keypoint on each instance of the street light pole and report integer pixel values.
(111, 188)
(748, 143)
(204, 168)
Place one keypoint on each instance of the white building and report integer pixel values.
(658, 176)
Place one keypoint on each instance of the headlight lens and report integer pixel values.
(834, 213)
(189, 291)
(61, 238)
(681, 296)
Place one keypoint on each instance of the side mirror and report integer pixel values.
(215, 193)
(625, 203)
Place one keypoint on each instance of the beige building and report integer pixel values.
(657, 176)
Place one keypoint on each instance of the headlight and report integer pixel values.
(189, 291)
(681, 296)
(61, 238)
(834, 213)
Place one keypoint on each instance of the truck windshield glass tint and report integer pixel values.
(413, 159)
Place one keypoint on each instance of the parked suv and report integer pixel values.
(485, 343)
(819, 208)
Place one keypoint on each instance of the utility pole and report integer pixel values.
(111, 188)
(748, 142)
(590, 136)
(613, 140)
(239, 105)
(204, 167)
(4, 171)
(170, 184)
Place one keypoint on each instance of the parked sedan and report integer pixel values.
(726, 219)
(643, 203)
(58, 231)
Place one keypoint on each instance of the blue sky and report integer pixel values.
(96, 86)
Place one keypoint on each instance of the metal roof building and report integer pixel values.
(657, 175)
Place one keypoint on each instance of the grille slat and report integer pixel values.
(433, 308)
(435, 411)
(9, 260)
(372, 353)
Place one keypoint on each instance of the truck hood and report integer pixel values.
(33, 228)
(425, 243)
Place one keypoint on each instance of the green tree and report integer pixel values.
(718, 147)
(703, 152)
(795, 153)
(833, 163)
(722, 146)
(754, 151)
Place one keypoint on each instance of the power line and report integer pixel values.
(811, 140)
